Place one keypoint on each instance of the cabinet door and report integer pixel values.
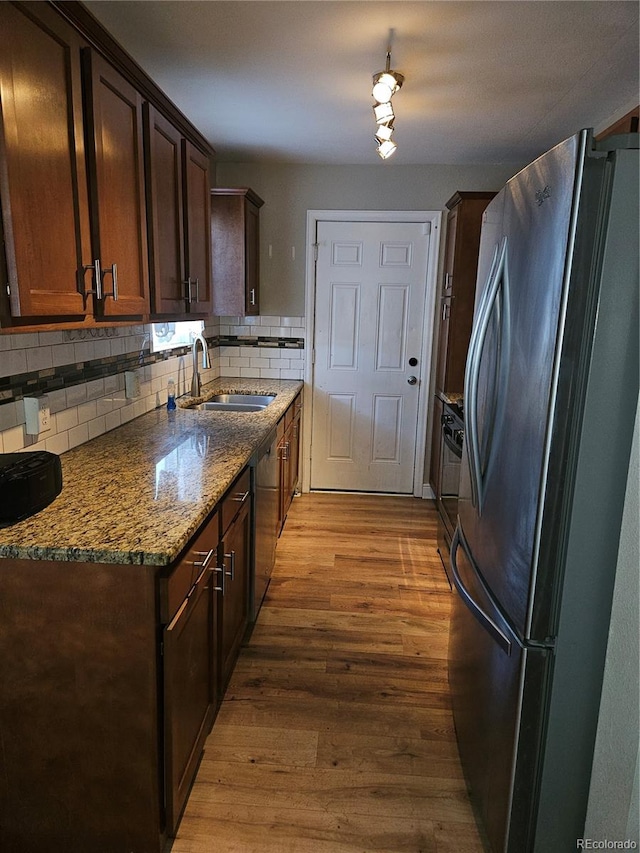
(458, 287)
(197, 192)
(117, 197)
(42, 168)
(235, 238)
(188, 691)
(235, 595)
(436, 448)
(294, 453)
(445, 302)
(252, 259)
(282, 474)
(163, 146)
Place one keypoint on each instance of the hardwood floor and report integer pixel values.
(336, 734)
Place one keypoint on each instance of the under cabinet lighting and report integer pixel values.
(166, 336)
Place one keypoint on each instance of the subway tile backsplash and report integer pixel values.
(82, 373)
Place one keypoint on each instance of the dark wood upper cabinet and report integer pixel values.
(81, 228)
(197, 190)
(464, 222)
(178, 218)
(43, 185)
(163, 144)
(235, 241)
(115, 155)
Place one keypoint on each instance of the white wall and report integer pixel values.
(290, 190)
(613, 798)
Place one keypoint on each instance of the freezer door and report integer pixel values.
(510, 369)
(498, 691)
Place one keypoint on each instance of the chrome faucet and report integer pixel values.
(206, 363)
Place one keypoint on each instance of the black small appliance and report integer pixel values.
(28, 483)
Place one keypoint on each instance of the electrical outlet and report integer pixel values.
(131, 384)
(37, 414)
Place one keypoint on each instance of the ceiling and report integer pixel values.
(290, 80)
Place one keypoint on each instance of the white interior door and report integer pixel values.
(369, 323)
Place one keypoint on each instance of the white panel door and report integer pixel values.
(369, 320)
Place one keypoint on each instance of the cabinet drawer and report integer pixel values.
(292, 412)
(235, 499)
(174, 588)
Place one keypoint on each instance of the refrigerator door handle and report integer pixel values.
(482, 617)
(472, 373)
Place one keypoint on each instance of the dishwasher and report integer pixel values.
(265, 520)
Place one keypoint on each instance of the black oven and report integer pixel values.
(453, 427)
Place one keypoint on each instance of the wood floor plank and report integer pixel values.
(241, 828)
(278, 681)
(333, 715)
(432, 671)
(392, 755)
(366, 620)
(248, 745)
(326, 638)
(336, 733)
(399, 795)
(426, 647)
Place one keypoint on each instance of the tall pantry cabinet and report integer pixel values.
(455, 317)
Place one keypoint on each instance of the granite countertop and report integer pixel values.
(138, 494)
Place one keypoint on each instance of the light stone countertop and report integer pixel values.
(139, 493)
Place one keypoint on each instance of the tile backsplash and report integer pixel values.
(83, 373)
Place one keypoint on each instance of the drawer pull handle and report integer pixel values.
(238, 498)
(222, 587)
(232, 557)
(208, 555)
(97, 281)
(113, 271)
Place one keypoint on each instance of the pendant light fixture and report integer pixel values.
(385, 84)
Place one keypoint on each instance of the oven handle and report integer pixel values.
(447, 434)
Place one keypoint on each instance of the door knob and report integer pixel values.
(412, 380)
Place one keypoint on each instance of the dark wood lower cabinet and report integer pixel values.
(234, 601)
(79, 710)
(109, 681)
(189, 654)
(288, 449)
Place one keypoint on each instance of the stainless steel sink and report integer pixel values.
(235, 403)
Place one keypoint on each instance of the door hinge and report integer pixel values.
(315, 252)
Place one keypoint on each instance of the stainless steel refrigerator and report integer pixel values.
(551, 389)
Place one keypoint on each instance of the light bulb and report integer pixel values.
(383, 113)
(383, 132)
(386, 149)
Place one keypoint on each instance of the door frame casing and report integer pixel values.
(431, 219)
